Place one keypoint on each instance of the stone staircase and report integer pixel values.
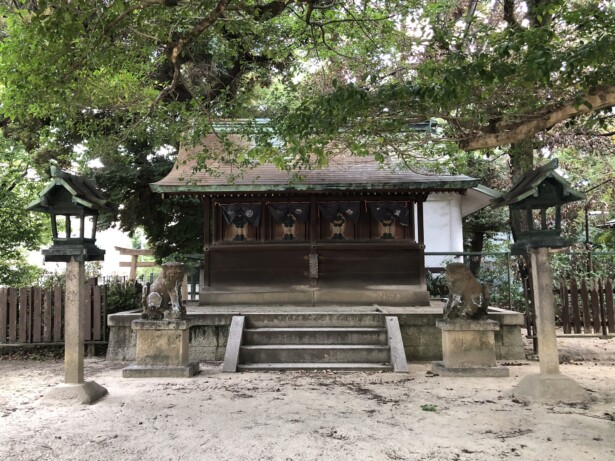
(324, 341)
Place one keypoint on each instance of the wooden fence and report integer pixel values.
(583, 308)
(587, 308)
(36, 315)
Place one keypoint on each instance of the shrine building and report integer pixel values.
(351, 233)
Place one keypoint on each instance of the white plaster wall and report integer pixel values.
(442, 221)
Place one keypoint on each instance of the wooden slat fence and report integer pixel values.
(587, 307)
(35, 315)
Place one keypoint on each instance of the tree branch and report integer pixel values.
(183, 42)
(509, 13)
(140, 6)
(264, 12)
(601, 98)
(469, 18)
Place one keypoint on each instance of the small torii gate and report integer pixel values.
(134, 262)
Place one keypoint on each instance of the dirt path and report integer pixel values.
(308, 416)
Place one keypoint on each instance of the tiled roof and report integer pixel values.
(344, 171)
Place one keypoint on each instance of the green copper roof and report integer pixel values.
(528, 186)
(82, 192)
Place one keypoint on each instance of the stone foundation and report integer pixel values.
(308, 296)
(422, 340)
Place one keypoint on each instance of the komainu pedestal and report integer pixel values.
(162, 350)
(468, 349)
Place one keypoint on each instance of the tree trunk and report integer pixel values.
(522, 161)
(476, 246)
(521, 158)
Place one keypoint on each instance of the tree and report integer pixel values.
(593, 173)
(96, 70)
(173, 225)
(493, 73)
(19, 232)
(112, 77)
(108, 74)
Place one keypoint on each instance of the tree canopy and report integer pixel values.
(125, 81)
(19, 231)
(493, 73)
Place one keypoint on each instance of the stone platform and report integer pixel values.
(87, 393)
(422, 340)
(321, 296)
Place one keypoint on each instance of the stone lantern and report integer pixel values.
(73, 203)
(535, 203)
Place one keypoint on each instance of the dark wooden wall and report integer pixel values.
(316, 229)
(265, 259)
(379, 264)
(251, 265)
(382, 263)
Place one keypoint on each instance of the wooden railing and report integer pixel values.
(587, 307)
(584, 307)
(35, 315)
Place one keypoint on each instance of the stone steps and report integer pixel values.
(314, 367)
(310, 353)
(314, 341)
(315, 335)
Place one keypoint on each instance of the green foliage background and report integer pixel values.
(122, 83)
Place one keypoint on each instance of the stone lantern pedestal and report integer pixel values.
(162, 350)
(468, 349)
(549, 386)
(74, 389)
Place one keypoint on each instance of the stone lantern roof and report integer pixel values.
(67, 193)
(543, 185)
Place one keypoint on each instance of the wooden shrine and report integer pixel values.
(350, 233)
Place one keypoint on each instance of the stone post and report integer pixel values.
(549, 386)
(73, 322)
(74, 389)
(542, 281)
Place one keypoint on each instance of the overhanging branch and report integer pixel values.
(601, 98)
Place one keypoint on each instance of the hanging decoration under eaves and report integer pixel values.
(250, 211)
(387, 211)
(279, 211)
(350, 210)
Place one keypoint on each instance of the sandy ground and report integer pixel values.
(309, 416)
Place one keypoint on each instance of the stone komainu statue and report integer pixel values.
(166, 288)
(467, 297)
